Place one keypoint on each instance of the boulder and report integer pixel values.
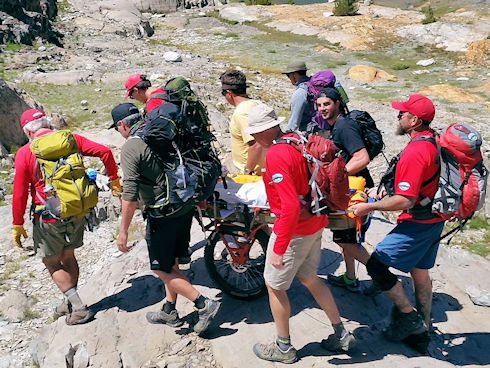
(13, 304)
(366, 73)
(450, 93)
(172, 56)
(23, 21)
(157, 6)
(11, 108)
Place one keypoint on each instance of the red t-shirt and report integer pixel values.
(286, 178)
(416, 165)
(154, 102)
(25, 182)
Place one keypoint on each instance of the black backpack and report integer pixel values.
(178, 133)
(371, 136)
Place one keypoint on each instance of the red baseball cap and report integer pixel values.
(132, 81)
(30, 115)
(417, 105)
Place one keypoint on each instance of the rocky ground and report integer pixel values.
(105, 43)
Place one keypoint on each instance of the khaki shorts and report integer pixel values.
(52, 238)
(301, 259)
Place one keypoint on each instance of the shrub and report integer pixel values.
(429, 15)
(400, 66)
(345, 7)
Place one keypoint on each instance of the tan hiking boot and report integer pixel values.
(62, 309)
(79, 316)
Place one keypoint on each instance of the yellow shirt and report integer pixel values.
(239, 139)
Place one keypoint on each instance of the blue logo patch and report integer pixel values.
(277, 178)
(472, 137)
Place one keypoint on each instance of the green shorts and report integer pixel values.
(52, 238)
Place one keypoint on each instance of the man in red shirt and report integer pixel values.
(294, 246)
(138, 87)
(55, 240)
(412, 245)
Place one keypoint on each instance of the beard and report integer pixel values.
(399, 130)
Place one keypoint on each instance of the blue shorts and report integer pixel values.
(409, 246)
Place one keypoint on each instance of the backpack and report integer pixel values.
(324, 79)
(328, 180)
(462, 177)
(68, 191)
(370, 134)
(178, 133)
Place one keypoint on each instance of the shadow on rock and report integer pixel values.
(144, 291)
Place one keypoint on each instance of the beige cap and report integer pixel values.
(262, 117)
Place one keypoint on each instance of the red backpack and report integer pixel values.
(328, 180)
(463, 178)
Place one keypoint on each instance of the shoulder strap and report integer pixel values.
(160, 96)
(431, 139)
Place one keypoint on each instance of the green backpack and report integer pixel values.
(68, 190)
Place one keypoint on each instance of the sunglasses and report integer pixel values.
(400, 114)
(116, 127)
(131, 91)
(223, 92)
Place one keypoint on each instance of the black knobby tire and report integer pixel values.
(247, 282)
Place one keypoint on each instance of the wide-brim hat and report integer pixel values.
(262, 117)
(295, 66)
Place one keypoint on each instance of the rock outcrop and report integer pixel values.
(23, 21)
(14, 103)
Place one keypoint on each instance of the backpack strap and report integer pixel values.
(160, 96)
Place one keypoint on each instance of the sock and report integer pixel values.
(73, 297)
(284, 343)
(168, 306)
(339, 329)
(199, 303)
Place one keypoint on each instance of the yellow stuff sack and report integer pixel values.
(64, 176)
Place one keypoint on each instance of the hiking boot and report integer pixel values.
(79, 316)
(206, 315)
(171, 319)
(62, 309)
(271, 352)
(343, 281)
(419, 342)
(333, 343)
(372, 289)
(404, 325)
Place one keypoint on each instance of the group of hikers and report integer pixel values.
(294, 246)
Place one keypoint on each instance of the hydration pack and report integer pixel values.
(328, 180)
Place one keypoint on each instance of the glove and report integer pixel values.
(116, 187)
(17, 231)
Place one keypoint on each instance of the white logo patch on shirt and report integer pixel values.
(472, 137)
(403, 185)
(277, 178)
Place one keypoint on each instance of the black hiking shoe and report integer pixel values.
(403, 325)
(343, 281)
(419, 342)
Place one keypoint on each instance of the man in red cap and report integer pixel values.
(55, 239)
(138, 87)
(412, 245)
